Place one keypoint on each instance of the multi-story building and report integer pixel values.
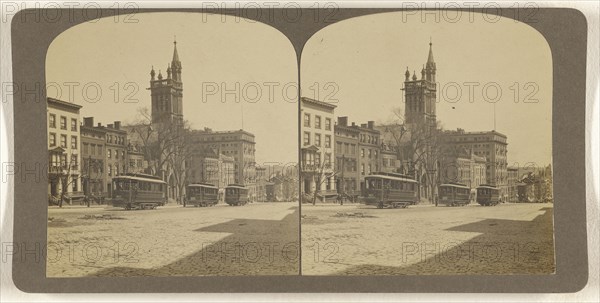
(116, 153)
(389, 159)
(238, 144)
(317, 150)
(346, 157)
(93, 144)
(489, 144)
(64, 169)
(460, 165)
(135, 159)
(208, 166)
(369, 145)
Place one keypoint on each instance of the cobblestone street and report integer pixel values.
(361, 240)
(256, 239)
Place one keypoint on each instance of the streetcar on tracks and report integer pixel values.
(201, 195)
(138, 191)
(454, 194)
(236, 195)
(488, 195)
(389, 190)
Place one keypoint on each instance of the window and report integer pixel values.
(123, 154)
(52, 139)
(73, 142)
(99, 149)
(306, 120)
(109, 170)
(86, 148)
(108, 153)
(327, 141)
(318, 122)
(74, 161)
(318, 140)
(362, 152)
(52, 120)
(375, 152)
(73, 124)
(116, 154)
(74, 187)
(63, 141)
(318, 159)
(327, 159)
(306, 138)
(362, 169)
(63, 122)
(327, 124)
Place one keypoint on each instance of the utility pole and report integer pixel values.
(88, 180)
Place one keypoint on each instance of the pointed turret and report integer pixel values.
(407, 74)
(175, 63)
(152, 73)
(430, 65)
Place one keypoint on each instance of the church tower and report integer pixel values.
(167, 94)
(420, 94)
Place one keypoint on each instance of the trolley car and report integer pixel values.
(236, 195)
(488, 195)
(389, 190)
(201, 194)
(138, 191)
(454, 194)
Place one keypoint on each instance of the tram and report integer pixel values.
(389, 190)
(488, 195)
(138, 191)
(454, 194)
(236, 195)
(201, 194)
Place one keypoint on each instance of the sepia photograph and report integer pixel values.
(298, 150)
(431, 151)
(172, 146)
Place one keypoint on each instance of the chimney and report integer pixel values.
(109, 125)
(117, 124)
(353, 124)
(363, 125)
(371, 124)
(343, 121)
(88, 121)
(99, 124)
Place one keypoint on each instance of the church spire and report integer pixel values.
(175, 63)
(175, 54)
(430, 65)
(430, 57)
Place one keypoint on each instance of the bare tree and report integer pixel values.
(164, 144)
(418, 147)
(64, 172)
(324, 171)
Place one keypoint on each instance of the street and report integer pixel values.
(255, 239)
(355, 239)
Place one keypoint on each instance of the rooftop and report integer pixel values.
(317, 102)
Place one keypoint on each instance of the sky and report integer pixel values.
(364, 60)
(115, 59)
(358, 63)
